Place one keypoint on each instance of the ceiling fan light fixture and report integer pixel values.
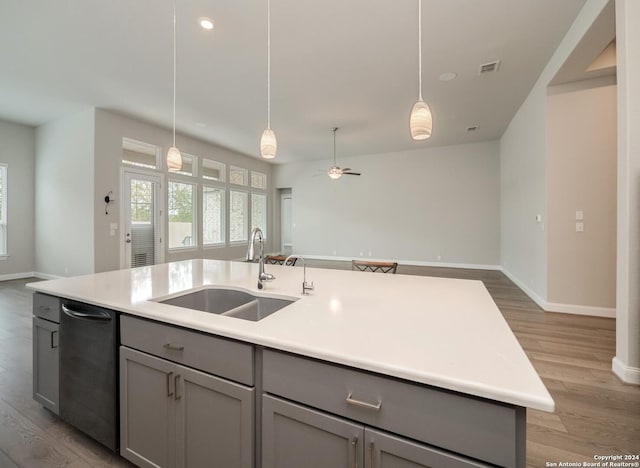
(335, 172)
(268, 144)
(421, 121)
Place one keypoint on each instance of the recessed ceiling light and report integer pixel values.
(206, 23)
(448, 76)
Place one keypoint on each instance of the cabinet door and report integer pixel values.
(383, 450)
(147, 409)
(215, 422)
(297, 437)
(45, 364)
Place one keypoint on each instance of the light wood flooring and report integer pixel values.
(595, 413)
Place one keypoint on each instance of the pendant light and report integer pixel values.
(421, 121)
(174, 158)
(268, 143)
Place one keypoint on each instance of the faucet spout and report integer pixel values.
(306, 287)
(263, 276)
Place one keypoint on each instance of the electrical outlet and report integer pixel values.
(439, 257)
(361, 254)
(579, 227)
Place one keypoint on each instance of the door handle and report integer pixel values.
(178, 382)
(53, 334)
(98, 315)
(170, 388)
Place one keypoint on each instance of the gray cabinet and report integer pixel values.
(294, 436)
(403, 424)
(174, 416)
(46, 364)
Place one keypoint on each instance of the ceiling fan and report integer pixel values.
(334, 171)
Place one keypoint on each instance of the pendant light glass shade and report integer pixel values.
(421, 121)
(174, 159)
(268, 144)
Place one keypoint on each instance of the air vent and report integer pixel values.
(490, 67)
(473, 128)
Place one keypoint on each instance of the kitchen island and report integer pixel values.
(385, 364)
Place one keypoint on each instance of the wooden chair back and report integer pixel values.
(376, 267)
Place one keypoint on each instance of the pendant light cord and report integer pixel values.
(420, 49)
(174, 73)
(335, 129)
(269, 64)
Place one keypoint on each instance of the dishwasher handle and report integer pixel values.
(98, 315)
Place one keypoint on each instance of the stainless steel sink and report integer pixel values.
(229, 302)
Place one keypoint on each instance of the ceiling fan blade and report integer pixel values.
(351, 173)
(346, 169)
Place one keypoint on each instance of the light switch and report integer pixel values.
(538, 218)
(579, 215)
(579, 227)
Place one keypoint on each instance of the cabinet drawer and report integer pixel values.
(478, 428)
(46, 307)
(220, 356)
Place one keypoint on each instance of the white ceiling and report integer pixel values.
(345, 63)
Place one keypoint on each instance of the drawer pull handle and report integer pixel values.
(45, 308)
(363, 404)
(173, 347)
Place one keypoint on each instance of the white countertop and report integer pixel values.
(438, 331)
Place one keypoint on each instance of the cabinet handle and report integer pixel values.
(354, 446)
(53, 334)
(368, 463)
(363, 404)
(45, 308)
(173, 347)
(170, 388)
(177, 384)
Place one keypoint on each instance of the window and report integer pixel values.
(212, 170)
(182, 215)
(258, 180)
(238, 216)
(259, 212)
(189, 165)
(237, 175)
(212, 215)
(3, 209)
(137, 153)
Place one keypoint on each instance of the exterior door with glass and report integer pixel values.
(141, 234)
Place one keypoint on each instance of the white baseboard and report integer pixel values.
(470, 266)
(15, 276)
(532, 295)
(630, 375)
(608, 312)
(46, 276)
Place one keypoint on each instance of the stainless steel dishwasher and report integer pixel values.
(88, 378)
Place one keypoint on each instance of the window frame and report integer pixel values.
(222, 171)
(245, 171)
(156, 148)
(223, 215)
(245, 240)
(194, 215)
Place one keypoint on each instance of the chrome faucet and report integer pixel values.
(306, 287)
(262, 275)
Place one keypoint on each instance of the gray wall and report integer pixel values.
(110, 128)
(582, 177)
(523, 172)
(18, 150)
(64, 206)
(411, 206)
